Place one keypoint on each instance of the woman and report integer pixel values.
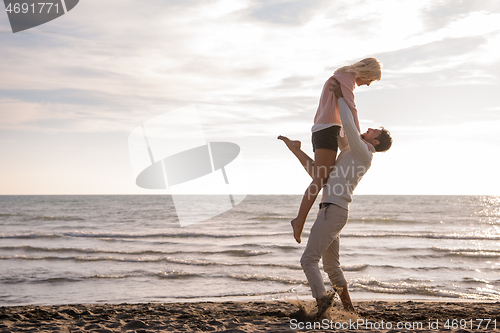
(326, 128)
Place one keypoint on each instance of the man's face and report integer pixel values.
(371, 134)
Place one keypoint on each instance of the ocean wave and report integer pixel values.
(29, 235)
(271, 218)
(54, 218)
(165, 235)
(444, 249)
(229, 295)
(238, 253)
(393, 267)
(212, 263)
(188, 235)
(404, 268)
(54, 258)
(467, 253)
(265, 278)
(27, 248)
(175, 274)
(417, 288)
(383, 220)
(478, 281)
(191, 262)
(188, 262)
(475, 256)
(130, 235)
(439, 268)
(169, 275)
(421, 235)
(286, 248)
(197, 262)
(355, 268)
(234, 253)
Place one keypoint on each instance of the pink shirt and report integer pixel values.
(328, 108)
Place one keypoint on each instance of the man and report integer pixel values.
(353, 162)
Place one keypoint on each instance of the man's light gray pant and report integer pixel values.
(324, 243)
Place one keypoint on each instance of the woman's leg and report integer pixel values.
(324, 160)
(304, 159)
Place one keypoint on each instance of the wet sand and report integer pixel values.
(268, 316)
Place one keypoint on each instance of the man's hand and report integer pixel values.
(335, 87)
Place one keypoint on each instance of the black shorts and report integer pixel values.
(326, 138)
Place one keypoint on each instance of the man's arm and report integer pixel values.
(342, 141)
(347, 83)
(337, 91)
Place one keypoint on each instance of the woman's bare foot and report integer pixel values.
(297, 226)
(291, 144)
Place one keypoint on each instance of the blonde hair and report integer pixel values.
(369, 69)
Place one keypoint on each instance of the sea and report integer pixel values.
(131, 249)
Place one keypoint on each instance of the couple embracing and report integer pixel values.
(336, 126)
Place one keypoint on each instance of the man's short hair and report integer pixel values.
(385, 140)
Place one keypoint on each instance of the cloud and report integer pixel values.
(290, 12)
(430, 56)
(65, 96)
(189, 52)
(153, 58)
(441, 13)
(461, 51)
(51, 117)
(452, 61)
(255, 67)
(425, 105)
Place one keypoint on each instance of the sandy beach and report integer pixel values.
(255, 316)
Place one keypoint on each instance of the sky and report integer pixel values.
(74, 89)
